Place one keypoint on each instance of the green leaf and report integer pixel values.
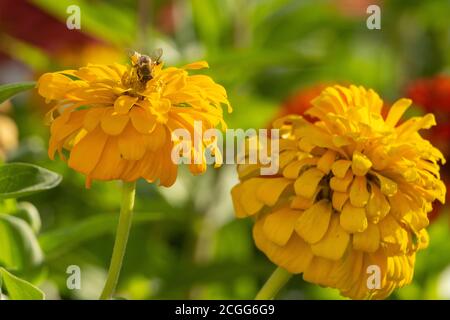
(19, 248)
(21, 179)
(9, 90)
(59, 241)
(19, 289)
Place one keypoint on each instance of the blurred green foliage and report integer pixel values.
(185, 242)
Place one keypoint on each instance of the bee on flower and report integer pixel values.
(353, 191)
(115, 121)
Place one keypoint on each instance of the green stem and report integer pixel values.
(276, 281)
(120, 244)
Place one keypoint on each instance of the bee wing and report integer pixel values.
(156, 55)
(130, 52)
(132, 55)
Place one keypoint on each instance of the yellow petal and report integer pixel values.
(368, 240)
(318, 271)
(131, 144)
(249, 201)
(85, 155)
(359, 195)
(326, 161)
(313, 223)
(92, 118)
(353, 219)
(157, 138)
(341, 184)
(123, 104)
(302, 203)
(394, 238)
(113, 123)
(279, 225)
(396, 111)
(54, 85)
(142, 121)
(340, 167)
(339, 199)
(196, 65)
(334, 243)
(378, 206)
(380, 158)
(236, 193)
(388, 187)
(360, 164)
(270, 190)
(282, 255)
(110, 165)
(293, 169)
(307, 183)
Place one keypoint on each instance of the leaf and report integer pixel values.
(19, 248)
(21, 179)
(9, 90)
(19, 289)
(59, 241)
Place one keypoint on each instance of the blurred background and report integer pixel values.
(272, 56)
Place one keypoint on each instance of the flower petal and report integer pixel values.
(85, 154)
(334, 243)
(307, 183)
(378, 206)
(353, 219)
(270, 190)
(388, 187)
(341, 184)
(123, 104)
(313, 223)
(326, 161)
(131, 144)
(359, 196)
(282, 255)
(396, 111)
(339, 199)
(142, 121)
(279, 225)
(196, 65)
(113, 123)
(360, 164)
(340, 167)
(368, 240)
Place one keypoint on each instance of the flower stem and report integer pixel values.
(276, 281)
(120, 244)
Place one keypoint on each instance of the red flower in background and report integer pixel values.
(433, 95)
(300, 101)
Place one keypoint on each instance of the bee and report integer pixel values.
(142, 65)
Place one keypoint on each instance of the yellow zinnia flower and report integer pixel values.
(352, 193)
(117, 124)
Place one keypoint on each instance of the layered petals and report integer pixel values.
(115, 125)
(351, 195)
